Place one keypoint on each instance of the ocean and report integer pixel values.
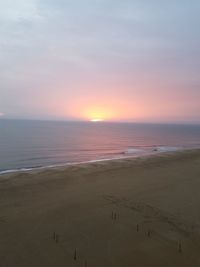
(25, 145)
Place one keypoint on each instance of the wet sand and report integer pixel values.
(131, 212)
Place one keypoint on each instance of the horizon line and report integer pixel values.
(104, 121)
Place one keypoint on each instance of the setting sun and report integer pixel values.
(97, 120)
(98, 113)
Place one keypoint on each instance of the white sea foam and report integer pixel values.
(134, 151)
(167, 148)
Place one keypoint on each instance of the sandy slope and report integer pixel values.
(143, 212)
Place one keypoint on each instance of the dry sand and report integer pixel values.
(143, 212)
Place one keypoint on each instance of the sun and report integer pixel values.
(97, 120)
(98, 113)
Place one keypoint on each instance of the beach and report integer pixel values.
(128, 212)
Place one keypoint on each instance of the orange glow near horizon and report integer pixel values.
(96, 114)
(108, 109)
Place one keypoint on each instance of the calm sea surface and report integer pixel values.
(32, 144)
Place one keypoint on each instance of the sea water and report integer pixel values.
(37, 144)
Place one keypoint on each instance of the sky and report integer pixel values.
(100, 59)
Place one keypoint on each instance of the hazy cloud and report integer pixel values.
(58, 49)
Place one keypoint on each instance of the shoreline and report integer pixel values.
(133, 159)
(129, 152)
(62, 165)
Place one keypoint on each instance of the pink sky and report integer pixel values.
(118, 60)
